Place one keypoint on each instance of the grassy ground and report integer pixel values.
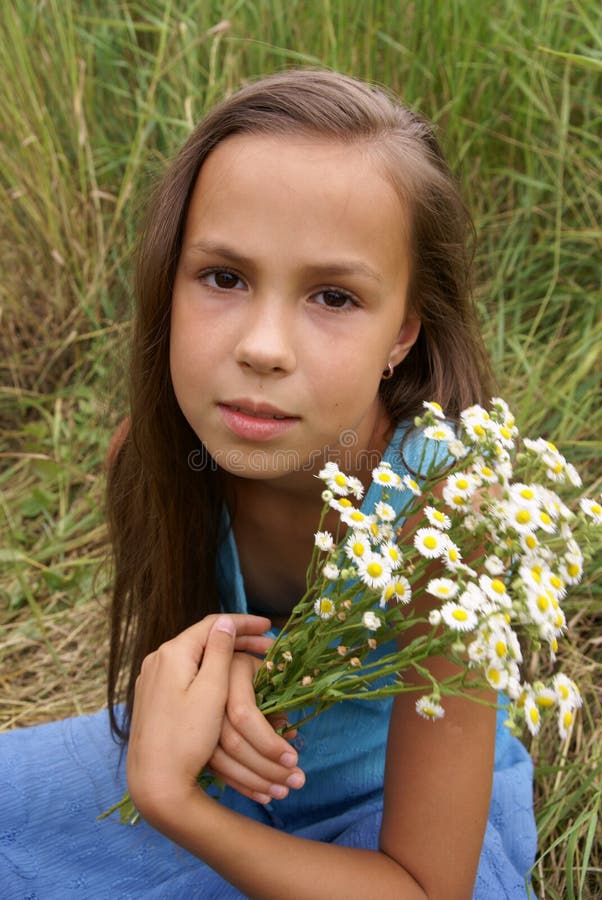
(93, 97)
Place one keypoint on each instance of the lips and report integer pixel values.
(258, 410)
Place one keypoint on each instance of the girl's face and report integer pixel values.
(290, 299)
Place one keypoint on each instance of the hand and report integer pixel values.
(251, 757)
(179, 705)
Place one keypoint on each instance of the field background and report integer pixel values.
(94, 96)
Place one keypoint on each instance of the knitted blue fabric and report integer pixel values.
(56, 778)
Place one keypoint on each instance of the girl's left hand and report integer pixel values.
(179, 704)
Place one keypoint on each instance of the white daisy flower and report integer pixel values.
(483, 472)
(357, 546)
(435, 617)
(324, 608)
(337, 482)
(457, 448)
(444, 588)
(434, 407)
(494, 565)
(330, 571)
(429, 708)
(504, 434)
(458, 617)
(592, 509)
(566, 689)
(430, 542)
(497, 675)
(545, 697)
(355, 487)
(455, 499)
(520, 516)
(371, 621)
(566, 718)
(385, 476)
(398, 590)
(573, 475)
(392, 554)
(540, 607)
(462, 483)
(411, 484)
(452, 555)
(476, 422)
(524, 493)
(472, 597)
(496, 590)
(324, 540)
(381, 532)
(374, 570)
(545, 521)
(532, 714)
(440, 432)
(355, 518)
(327, 496)
(341, 504)
(385, 512)
(571, 568)
(437, 518)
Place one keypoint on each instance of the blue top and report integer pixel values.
(56, 778)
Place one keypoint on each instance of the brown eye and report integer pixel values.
(334, 299)
(225, 280)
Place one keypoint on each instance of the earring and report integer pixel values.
(388, 373)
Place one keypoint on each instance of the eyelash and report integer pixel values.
(345, 295)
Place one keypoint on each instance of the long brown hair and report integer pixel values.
(165, 499)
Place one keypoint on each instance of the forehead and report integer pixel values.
(311, 190)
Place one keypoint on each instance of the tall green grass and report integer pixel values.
(94, 96)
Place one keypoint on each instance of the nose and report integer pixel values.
(266, 342)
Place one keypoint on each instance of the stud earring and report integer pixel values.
(388, 373)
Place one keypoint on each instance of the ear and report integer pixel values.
(406, 339)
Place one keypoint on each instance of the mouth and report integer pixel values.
(258, 410)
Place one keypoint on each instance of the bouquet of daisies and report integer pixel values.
(494, 546)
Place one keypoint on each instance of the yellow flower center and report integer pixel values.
(430, 542)
(531, 542)
(340, 479)
(527, 494)
(358, 549)
(544, 701)
(536, 573)
(543, 603)
(394, 554)
(494, 676)
(557, 467)
(554, 645)
(563, 691)
(460, 615)
(567, 718)
(443, 590)
(453, 554)
(438, 516)
(498, 586)
(534, 715)
(413, 484)
(385, 477)
(573, 569)
(544, 517)
(501, 649)
(505, 432)
(596, 509)
(523, 516)
(459, 501)
(479, 430)
(486, 472)
(552, 446)
(374, 569)
(326, 606)
(345, 502)
(357, 516)
(462, 484)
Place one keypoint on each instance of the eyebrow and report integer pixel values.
(333, 268)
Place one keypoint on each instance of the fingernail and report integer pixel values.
(278, 791)
(288, 759)
(261, 798)
(225, 623)
(296, 780)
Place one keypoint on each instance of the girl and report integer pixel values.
(303, 286)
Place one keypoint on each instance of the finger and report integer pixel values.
(188, 646)
(212, 681)
(254, 643)
(257, 796)
(263, 777)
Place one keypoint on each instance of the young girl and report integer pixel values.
(303, 286)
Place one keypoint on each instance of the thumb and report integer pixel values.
(213, 677)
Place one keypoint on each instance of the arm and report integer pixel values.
(436, 797)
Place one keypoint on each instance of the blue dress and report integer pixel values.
(56, 778)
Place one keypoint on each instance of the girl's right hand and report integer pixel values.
(251, 757)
